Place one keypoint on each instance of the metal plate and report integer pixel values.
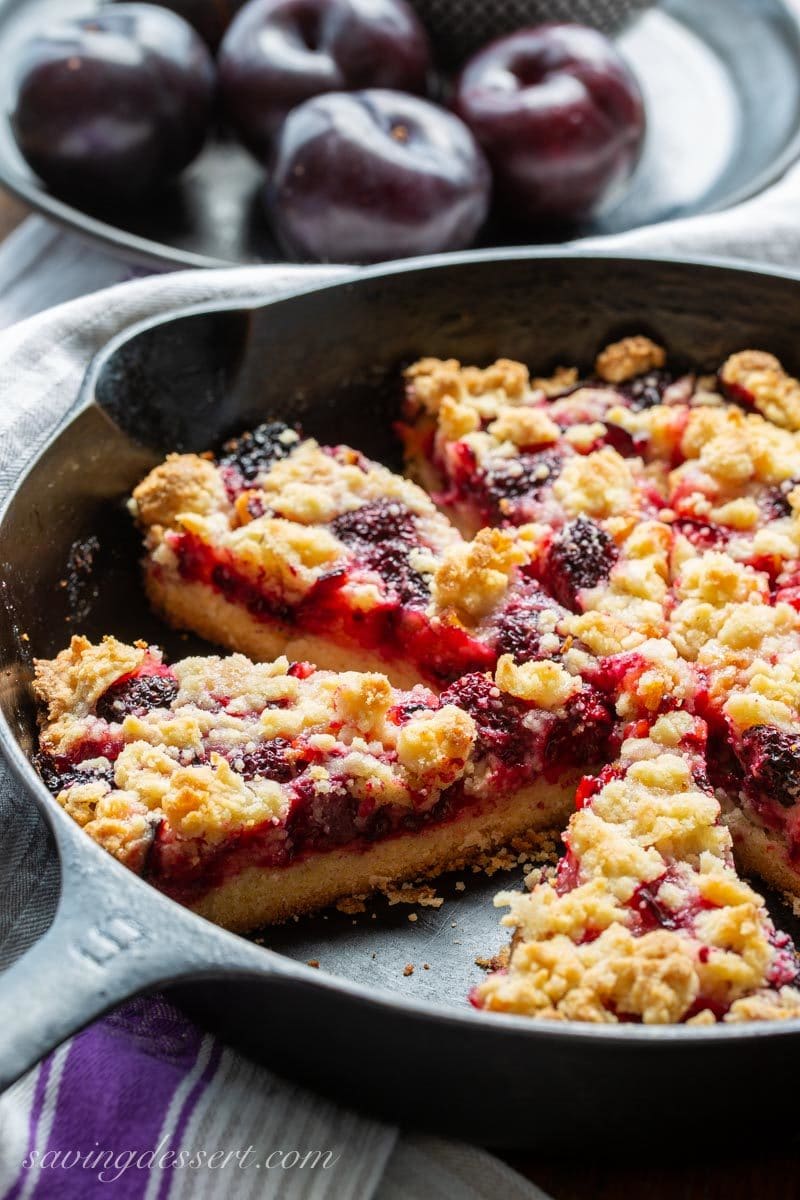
(721, 79)
(402, 1047)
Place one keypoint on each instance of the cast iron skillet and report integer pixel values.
(330, 357)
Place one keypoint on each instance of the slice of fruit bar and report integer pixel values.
(253, 792)
(645, 918)
(282, 546)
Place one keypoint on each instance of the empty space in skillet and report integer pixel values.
(331, 360)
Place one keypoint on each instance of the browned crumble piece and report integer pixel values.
(351, 904)
(760, 379)
(408, 969)
(632, 356)
(414, 893)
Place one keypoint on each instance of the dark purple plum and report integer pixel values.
(561, 119)
(113, 105)
(366, 176)
(210, 18)
(278, 53)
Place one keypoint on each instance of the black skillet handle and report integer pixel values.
(112, 937)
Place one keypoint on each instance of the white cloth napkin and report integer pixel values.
(43, 355)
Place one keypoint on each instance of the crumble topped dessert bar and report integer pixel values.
(587, 565)
(645, 918)
(283, 546)
(322, 555)
(495, 447)
(254, 791)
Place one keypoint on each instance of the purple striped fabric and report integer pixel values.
(33, 1124)
(185, 1112)
(129, 1085)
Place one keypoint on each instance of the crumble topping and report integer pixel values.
(545, 684)
(434, 747)
(624, 360)
(600, 484)
(524, 427)
(561, 380)
(736, 446)
(646, 918)
(474, 577)
(291, 555)
(74, 681)
(758, 378)
(184, 483)
(457, 420)
(313, 486)
(486, 389)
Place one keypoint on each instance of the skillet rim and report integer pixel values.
(277, 965)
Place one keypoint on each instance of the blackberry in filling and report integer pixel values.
(581, 555)
(253, 453)
(381, 535)
(582, 737)
(136, 695)
(774, 504)
(59, 775)
(646, 390)
(272, 759)
(517, 478)
(771, 760)
(498, 717)
(525, 626)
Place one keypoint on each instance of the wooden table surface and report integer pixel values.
(772, 1176)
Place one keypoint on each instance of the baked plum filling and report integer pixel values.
(394, 626)
(645, 919)
(518, 739)
(702, 535)
(382, 537)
